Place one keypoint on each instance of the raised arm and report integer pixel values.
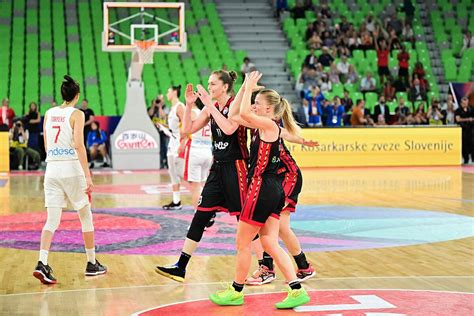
(246, 113)
(189, 125)
(228, 126)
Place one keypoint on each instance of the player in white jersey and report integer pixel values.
(175, 157)
(198, 156)
(67, 178)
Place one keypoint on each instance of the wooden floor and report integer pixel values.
(132, 285)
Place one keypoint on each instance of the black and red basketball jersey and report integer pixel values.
(264, 157)
(228, 147)
(287, 162)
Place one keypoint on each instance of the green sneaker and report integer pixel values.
(227, 297)
(295, 298)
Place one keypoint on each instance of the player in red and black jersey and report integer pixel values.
(226, 185)
(265, 197)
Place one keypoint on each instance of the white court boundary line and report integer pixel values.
(277, 281)
(318, 290)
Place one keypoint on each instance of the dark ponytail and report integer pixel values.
(69, 89)
(177, 89)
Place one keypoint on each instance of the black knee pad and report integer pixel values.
(198, 225)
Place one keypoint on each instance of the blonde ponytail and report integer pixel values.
(281, 109)
(289, 122)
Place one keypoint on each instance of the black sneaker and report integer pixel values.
(172, 206)
(172, 271)
(211, 221)
(105, 165)
(44, 273)
(95, 269)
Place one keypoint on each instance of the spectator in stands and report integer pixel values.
(408, 35)
(419, 115)
(325, 58)
(435, 117)
(310, 30)
(409, 10)
(465, 119)
(314, 42)
(334, 113)
(389, 90)
(311, 78)
(358, 117)
(334, 74)
(315, 106)
(367, 41)
(449, 102)
(158, 113)
(417, 92)
(246, 67)
(89, 118)
(402, 109)
(367, 83)
(344, 25)
(328, 39)
(96, 142)
(325, 84)
(281, 5)
(6, 114)
(354, 41)
(468, 42)
(394, 23)
(381, 120)
(403, 59)
(19, 143)
(342, 45)
(300, 113)
(311, 59)
(449, 114)
(394, 40)
(53, 104)
(33, 122)
(352, 76)
(383, 53)
(347, 101)
(382, 108)
(343, 68)
(325, 12)
(298, 11)
(419, 72)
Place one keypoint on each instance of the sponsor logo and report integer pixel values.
(134, 139)
(62, 152)
(58, 118)
(200, 200)
(221, 145)
(275, 159)
(225, 111)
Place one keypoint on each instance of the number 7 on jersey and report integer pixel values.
(57, 134)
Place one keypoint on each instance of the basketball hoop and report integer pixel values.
(145, 51)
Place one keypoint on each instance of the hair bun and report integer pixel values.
(68, 79)
(233, 75)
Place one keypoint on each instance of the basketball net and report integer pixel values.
(145, 51)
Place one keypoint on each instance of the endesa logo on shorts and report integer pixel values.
(134, 139)
(65, 152)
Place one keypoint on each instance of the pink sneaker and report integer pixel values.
(305, 274)
(261, 276)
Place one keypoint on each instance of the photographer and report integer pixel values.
(158, 114)
(19, 144)
(435, 116)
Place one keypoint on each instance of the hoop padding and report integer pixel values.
(145, 51)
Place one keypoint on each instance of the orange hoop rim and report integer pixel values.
(145, 44)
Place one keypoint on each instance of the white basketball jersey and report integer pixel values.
(59, 135)
(173, 124)
(203, 137)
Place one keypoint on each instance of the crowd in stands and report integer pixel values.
(332, 47)
(27, 149)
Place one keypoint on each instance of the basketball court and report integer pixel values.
(384, 241)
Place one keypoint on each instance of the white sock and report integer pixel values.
(91, 255)
(176, 197)
(43, 256)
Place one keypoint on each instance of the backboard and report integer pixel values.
(127, 22)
